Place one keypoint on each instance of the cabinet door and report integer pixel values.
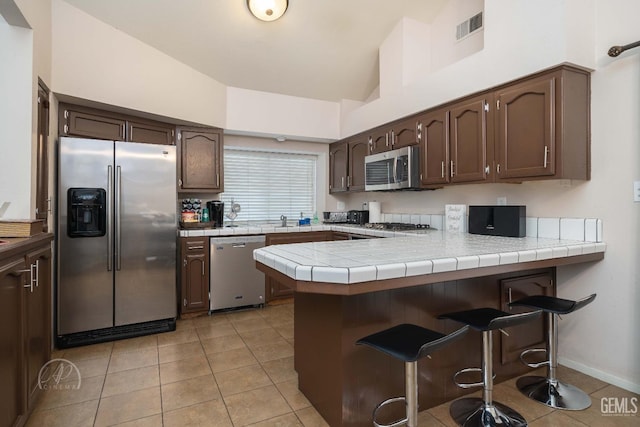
(525, 129)
(379, 140)
(404, 133)
(338, 163)
(273, 288)
(12, 280)
(433, 134)
(200, 160)
(91, 125)
(468, 161)
(42, 158)
(194, 274)
(531, 334)
(150, 133)
(37, 320)
(358, 150)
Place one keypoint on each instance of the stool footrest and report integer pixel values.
(468, 385)
(386, 402)
(533, 350)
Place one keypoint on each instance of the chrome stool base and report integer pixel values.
(555, 394)
(473, 412)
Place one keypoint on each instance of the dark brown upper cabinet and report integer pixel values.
(404, 133)
(433, 135)
(542, 127)
(150, 133)
(346, 164)
(379, 140)
(338, 167)
(201, 167)
(358, 150)
(87, 122)
(468, 161)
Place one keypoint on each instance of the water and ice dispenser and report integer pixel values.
(86, 212)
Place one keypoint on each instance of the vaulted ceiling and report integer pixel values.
(322, 49)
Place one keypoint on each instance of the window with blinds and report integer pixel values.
(269, 184)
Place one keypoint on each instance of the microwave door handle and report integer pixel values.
(395, 170)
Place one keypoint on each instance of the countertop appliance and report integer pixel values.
(397, 226)
(334, 217)
(235, 281)
(216, 212)
(507, 221)
(357, 217)
(393, 170)
(116, 240)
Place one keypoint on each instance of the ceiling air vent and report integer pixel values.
(469, 26)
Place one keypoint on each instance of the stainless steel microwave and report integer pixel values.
(393, 170)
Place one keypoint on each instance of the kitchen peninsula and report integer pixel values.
(348, 289)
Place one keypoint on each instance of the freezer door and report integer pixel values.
(84, 281)
(145, 232)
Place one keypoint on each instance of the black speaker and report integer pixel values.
(507, 221)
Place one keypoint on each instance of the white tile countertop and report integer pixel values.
(347, 262)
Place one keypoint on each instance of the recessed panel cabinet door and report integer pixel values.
(36, 321)
(404, 133)
(338, 164)
(525, 134)
(468, 161)
(358, 150)
(12, 279)
(194, 275)
(201, 160)
(149, 133)
(433, 134)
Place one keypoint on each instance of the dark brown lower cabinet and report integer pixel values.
(194, 277)
(25, 336)
(273, 288)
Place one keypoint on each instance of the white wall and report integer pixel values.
(520, 37)
(94, 61)
(603, 339)
(263, 113)
(16, 64)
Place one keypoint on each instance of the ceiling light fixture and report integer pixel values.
(268, 10)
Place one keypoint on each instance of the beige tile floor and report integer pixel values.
(236, 369)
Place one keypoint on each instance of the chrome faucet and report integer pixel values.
(284, 220)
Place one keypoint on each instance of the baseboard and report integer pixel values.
(603, 376)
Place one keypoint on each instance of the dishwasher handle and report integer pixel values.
(239, 245)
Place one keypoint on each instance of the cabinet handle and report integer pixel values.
(191, 248)
(185, 302)
(342, 181)
(442, 169)
(498, 104)
(203, 269)
(498, 169)
(487, 170)
(131, 132)
(180, 183)
(393, 136)
(35, 274)
(451, 170)
(510, 296)
(386, 139)
(66, 129)
(66, 114)
(546, 154)
(348, 181)
(184, 262)
(217, 180)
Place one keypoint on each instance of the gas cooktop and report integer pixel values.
(396, 226)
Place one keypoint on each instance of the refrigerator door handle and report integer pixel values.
(118, 211)
(109, 218)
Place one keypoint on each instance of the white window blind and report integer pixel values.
(269, 184)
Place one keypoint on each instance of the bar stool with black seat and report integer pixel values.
(408, 343)
(473, 411)
(548, 390)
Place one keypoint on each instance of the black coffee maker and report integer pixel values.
(216, 212)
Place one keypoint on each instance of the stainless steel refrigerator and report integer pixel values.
(116, 237)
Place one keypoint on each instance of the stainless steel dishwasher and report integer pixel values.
(235, 281)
